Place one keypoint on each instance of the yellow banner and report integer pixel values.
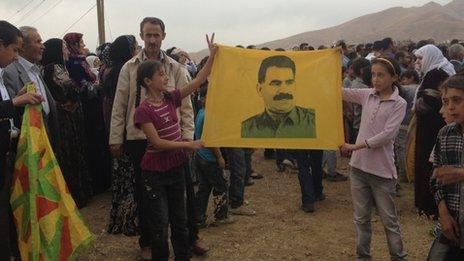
(273, 99)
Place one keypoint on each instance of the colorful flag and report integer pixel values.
(48, 223)
(272, 99)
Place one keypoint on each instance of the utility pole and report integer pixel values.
(101, 21)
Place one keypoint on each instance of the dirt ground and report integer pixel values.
(280, 230)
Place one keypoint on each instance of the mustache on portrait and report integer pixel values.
(283, 96)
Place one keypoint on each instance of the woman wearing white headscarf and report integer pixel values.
(435, 69)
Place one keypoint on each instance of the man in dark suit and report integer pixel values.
(25, 70)
(10, 43)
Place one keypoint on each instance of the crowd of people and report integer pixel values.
(130, 119)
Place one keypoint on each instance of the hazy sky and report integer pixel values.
(235, 22)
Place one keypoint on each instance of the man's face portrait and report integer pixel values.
(278, 89)
(282, 117)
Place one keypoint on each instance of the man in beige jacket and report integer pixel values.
(128, 96)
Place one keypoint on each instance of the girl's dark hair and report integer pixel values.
(146, 70)
(454, 82)
(9, 34)
(393, 69)
(411, 73)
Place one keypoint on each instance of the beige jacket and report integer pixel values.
(122, 117)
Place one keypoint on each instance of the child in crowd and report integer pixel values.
(446, 182)
(164, 159)
(409, 83)
(209, 164)
(373, 174)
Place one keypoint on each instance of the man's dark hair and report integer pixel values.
(422, 43)
(342, 44)
(411, 74)
(368, 48)
(279, 61)
(359, 64)
(386, 43)
(152, 20)
(454, 41)
(454, 82)
(303, 45)
(399, 55)
(9, 34)
(377, 46)
(352, 55)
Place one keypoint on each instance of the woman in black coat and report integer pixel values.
(435, 69)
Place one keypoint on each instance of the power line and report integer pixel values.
(46, 12)
(19, 10)
(33, 9)
(109, 27)
(80, 18)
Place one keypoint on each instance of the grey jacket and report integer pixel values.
(15, 78)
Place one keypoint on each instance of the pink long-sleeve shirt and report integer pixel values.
(380, 122)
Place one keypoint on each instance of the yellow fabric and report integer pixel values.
(48, 223)
(411, 150)
(234, 96)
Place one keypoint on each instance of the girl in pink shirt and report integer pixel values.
(164, 159)
(373, 174)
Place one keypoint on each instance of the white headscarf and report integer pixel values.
(432, 58)
(91, 59)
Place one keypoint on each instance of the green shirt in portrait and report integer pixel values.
(299, 123)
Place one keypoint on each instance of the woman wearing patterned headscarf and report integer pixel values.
(98, 158)
(435, 69)
(77, 65)
(65, 91)
(123, 209)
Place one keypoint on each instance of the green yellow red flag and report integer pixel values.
(48, 223)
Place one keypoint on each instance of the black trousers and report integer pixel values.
(136, 149)
(165, 206)
(8, 239)
(192, 213)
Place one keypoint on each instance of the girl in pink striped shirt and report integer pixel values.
(373, 174)
(164, 159)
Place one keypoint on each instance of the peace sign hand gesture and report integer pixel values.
(211, 45)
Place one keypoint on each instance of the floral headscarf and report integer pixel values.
(72, 42)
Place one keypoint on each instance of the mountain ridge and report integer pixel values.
(431, 20)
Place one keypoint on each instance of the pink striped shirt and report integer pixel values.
(164, 118)
(380, 122)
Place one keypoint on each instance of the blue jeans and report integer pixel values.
(309, 174)
(237, 168)
(248, 168)
(330, 159)
(367, 190)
